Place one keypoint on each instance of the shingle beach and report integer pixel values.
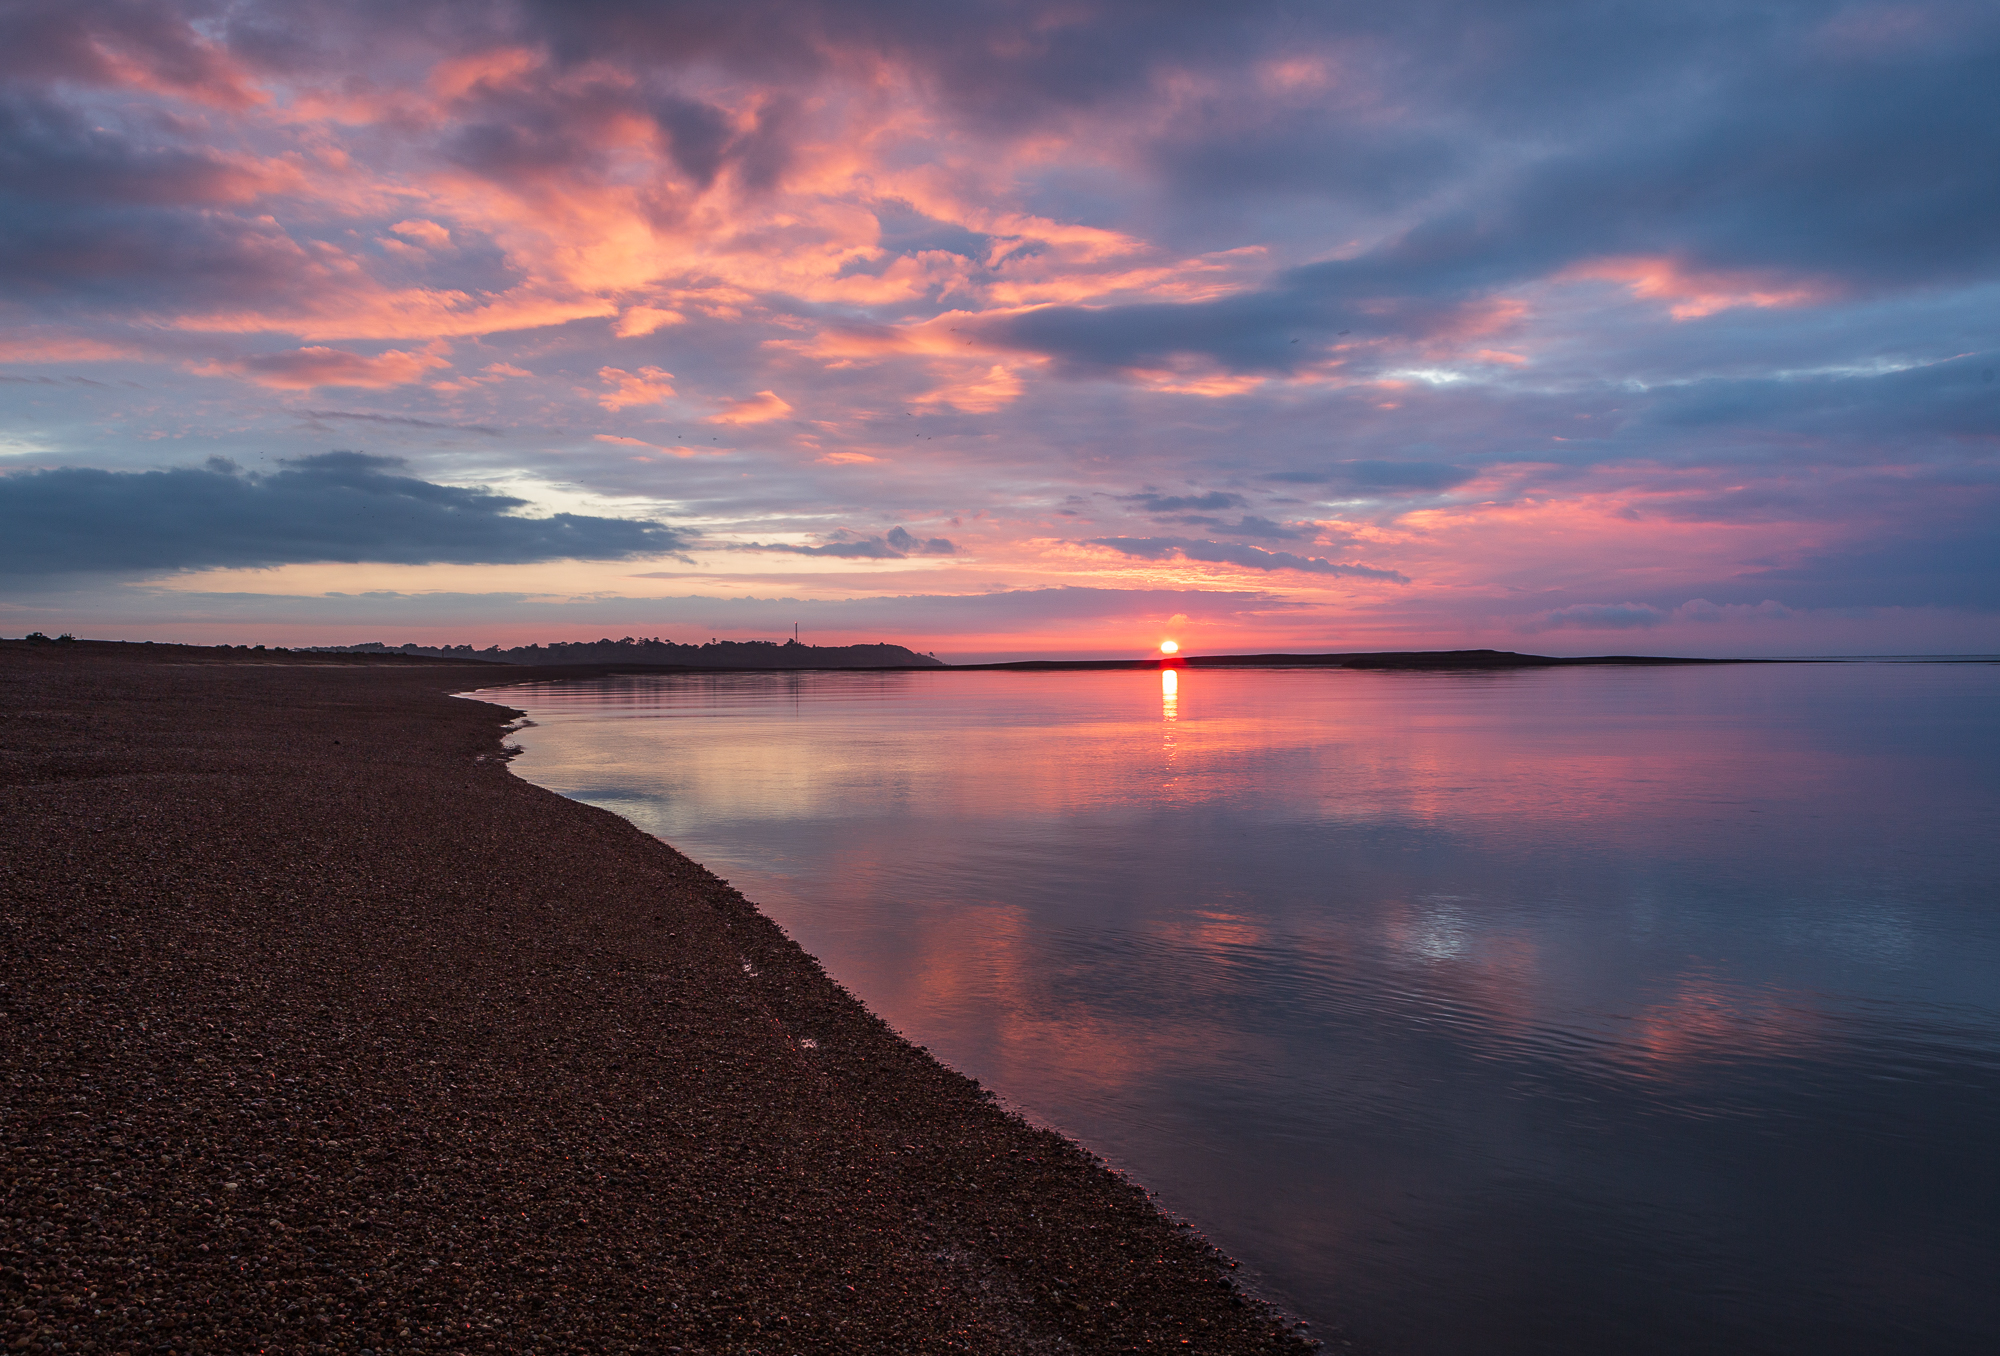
(320, 1031)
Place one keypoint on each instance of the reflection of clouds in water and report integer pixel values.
(1026, 1006)
(1440, 930)
(1369, 968)
(1710, 1021)
(1213, 932)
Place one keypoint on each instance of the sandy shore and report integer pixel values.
(320, 1031)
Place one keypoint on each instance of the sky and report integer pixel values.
(1047, 328)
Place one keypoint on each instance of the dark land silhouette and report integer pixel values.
(714, 654)
(1388, 659)
(766, 654)
(630, 655)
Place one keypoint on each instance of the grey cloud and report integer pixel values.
(905, 231)
(909, 545)
(1943, 563)
(1251, 332)
(525, 140)
(1603, 617)
(1954, 399)
(51, 153)
(894, 545)
(99, 43)
(1847, 173)
(696, 133)
(1249, 525)
(1149, 502)
(1320, 152)
(1251, 557)
(337, 506)
(996, 66)
(764, 153)
(401, 421)
(1379, 475)
(560, 132)
(1702, 610)
(126, 219)
(130, 257)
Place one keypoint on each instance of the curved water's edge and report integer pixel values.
(1543, 1012)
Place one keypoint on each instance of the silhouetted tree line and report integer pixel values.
(715, 654)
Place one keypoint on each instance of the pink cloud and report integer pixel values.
(647, 386)
(27, 350)
(1695, 292)
(639, 321)
(757, 409)
(305, 368)
(148, 52)
(980, 391)
(429, 233)
(672, 450)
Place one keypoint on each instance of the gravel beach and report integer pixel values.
(322, 1032)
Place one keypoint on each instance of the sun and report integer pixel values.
(1170, 647)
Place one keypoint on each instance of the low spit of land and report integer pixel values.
(322, 1032)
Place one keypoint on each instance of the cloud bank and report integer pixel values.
(1436, 321)
(336, 506)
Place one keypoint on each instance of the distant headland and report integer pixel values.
(1384, 659)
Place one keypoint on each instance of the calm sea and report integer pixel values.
(1604, 1011)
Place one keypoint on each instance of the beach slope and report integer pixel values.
(320, 1031)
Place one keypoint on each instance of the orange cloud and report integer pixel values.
(332, 297)
(1214, 384)
(647, 386)
(429, 232)
(499, 67)
(980, 393)
(643, 320)
(758, 409)
(676, 451)
(1696, 292)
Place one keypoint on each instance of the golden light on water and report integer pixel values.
(1170, 647)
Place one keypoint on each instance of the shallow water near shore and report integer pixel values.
(1569, 1011)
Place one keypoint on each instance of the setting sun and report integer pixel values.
(1170, 647)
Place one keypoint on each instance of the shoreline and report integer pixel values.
(326, 1032)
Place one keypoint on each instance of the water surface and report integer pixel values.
(1568, 1011)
